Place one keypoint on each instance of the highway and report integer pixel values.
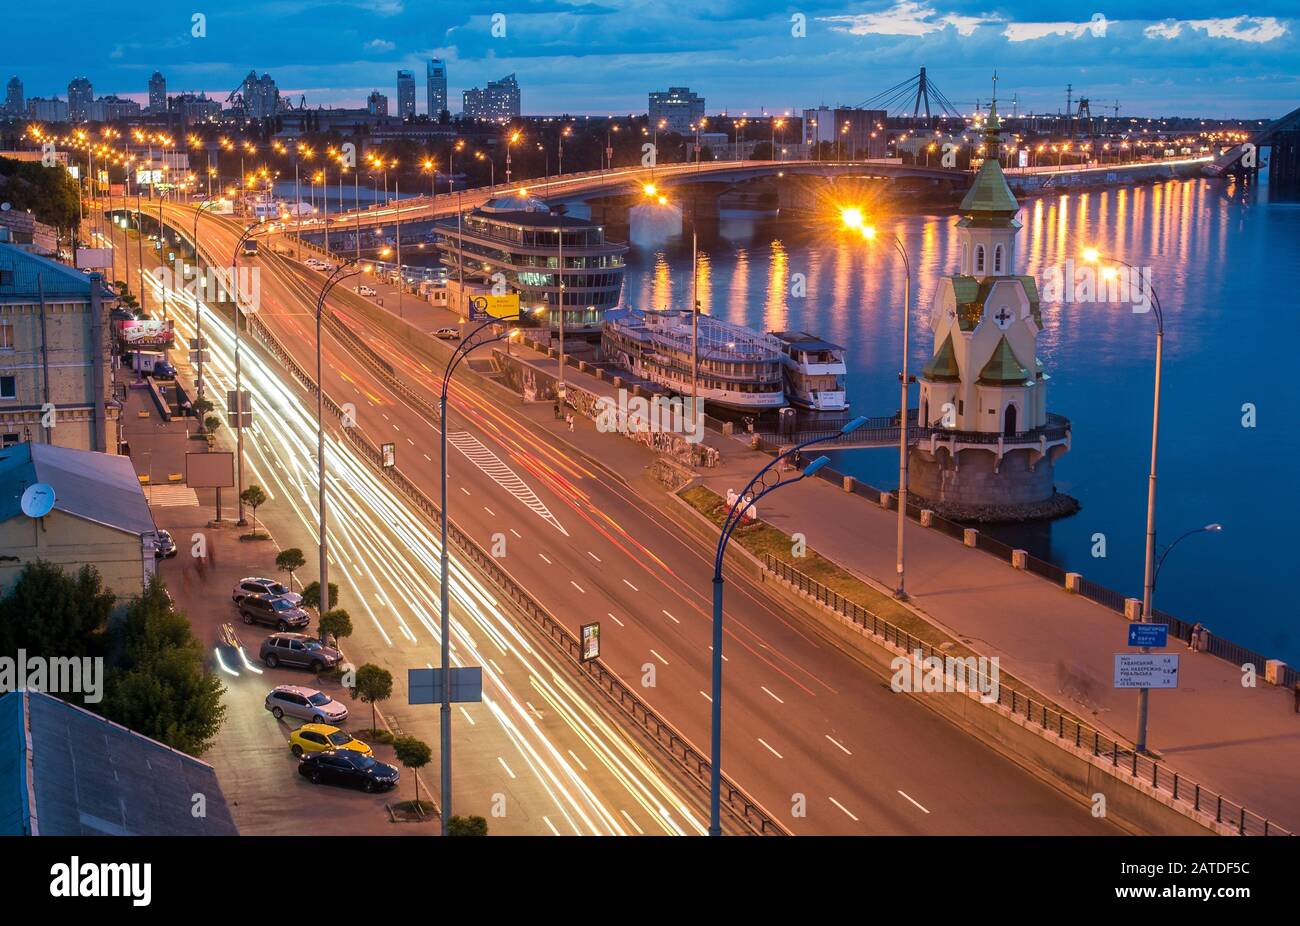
(820, 741)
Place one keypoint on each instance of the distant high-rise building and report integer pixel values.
(157, 93)
(111, 109)
(192, 108)
(678, 109)
(855, 133)
(261, 96)
(406, 94)
(43, 110)
(497, 102)
(435, 80)
(14, 105)
(377, 104)
(80, 95)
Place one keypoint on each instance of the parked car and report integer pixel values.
(317, 737)
(274, 612)
(255, 585)
(307, 703)
(163, 370)
(163, 545)
(300, 650)
(365, 290)
(350, 769)
(447, 334)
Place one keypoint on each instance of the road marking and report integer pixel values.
(516, 533)
(845, 809)
(674, 620)
(593, 556)
(396, 428)
(629, 819)
(551, 825)
(411, 442)
(545, 560)
(576, 759)
(615, 619)
(707, 698)
(386, 418)
(465, 490)
(631, 586)
(495, 666)
(492, 466)
(536, 712)
(770, 749)
(774, 697)
(507, 768)
(838, 743)
(489, 511)
(429, 458)
(468, 717)
(918, 806)
(577, 586)
(660, 658)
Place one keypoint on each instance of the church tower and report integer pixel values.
(988, 446)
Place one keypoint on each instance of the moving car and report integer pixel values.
(300, 650)
(365, 290)
(274, 612)
(350, 769)
(163, 370)
(163, 545)
(317, 737)
(256, 585)
(447, 334)
(307, 703)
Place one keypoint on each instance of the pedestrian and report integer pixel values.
(1297, 697)
(569, 420)
(1194, 637)
(1204, 645)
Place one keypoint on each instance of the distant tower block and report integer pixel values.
(988, 445)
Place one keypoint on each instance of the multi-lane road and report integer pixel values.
(819, 740)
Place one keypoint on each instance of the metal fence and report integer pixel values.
(1049, 720)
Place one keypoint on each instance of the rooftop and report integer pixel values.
(97, 487)
(56, 280)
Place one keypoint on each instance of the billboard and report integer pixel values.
(145, 332)
(489, 306)
(94, 258)
(210, 470)
(590, 642)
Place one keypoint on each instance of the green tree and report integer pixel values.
(467, 826)
(371, 685)
(51, 613)
(337, 622)
(49, 193)
(157, 684)
(253, 497)
(288, 561)
(212, 423)
(414, 754)
(311, 595)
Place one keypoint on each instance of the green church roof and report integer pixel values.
(942, 367)
(989, 195)
(1003, 369)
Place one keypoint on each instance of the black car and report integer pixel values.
(163, 547)
(275, 612)
(345, 767)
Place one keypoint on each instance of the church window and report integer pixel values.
(979, 258)
(997, 259)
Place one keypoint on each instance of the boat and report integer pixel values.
(739, 368)
(814, 371)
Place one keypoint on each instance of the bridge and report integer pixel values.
(1282, 136)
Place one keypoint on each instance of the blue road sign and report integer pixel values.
(1148, 634)
(424, 686)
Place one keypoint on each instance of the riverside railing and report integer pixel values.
(1047, 719)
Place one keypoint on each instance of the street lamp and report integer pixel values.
(462, 350)
(1093, 256)
(853, 219)
(198, 312)
(239, 395)
(1207, 529)
(738, 508)
(651, 192)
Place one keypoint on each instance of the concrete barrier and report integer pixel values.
(970, 537)
(1073, 582)
(927, 517)
(1132, 609)
(850, 484)
(1020, 559)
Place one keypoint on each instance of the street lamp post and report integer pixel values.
(239, 394)
(1149, 569)
(462, 350)
(198, 310)
(742, 504)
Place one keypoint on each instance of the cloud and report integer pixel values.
(907, 18)
(1028, 32)
(1242, 28)
(379, 45)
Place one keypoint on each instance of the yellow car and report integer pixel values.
(317, 737)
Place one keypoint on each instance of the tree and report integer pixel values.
(413, 754)
(337, 622)
(288, 561)
(51, 613)
(467, 826)
(311, 595)
(253, 496)
(49, 192)
(157, 685)
(372, 685)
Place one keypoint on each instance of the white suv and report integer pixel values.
(307, 703)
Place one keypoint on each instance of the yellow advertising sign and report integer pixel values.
(494, 306)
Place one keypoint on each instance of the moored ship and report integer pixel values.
(814, 372)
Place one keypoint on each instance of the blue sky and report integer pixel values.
(1188, 57)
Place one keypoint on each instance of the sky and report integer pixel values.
(1155, 57)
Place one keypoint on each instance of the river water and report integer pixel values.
(1226, 265)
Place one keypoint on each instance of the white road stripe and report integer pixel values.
(631, 586)
(774, 697)
(909, 797)
(843, 808)
(770, 749)
(615, 619)
(629, 819)
(574, 755)
(673, 619)
(507, 768)
(660, 658)
(839, 744)
(551, 825)
(545, 560)
(577, 586)
(593, 556)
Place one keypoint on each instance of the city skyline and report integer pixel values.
(1154, 66)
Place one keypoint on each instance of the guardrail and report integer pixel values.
(1050, 722)
(683, 753)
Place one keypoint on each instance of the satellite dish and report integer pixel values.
(6, 206)
(38, 500)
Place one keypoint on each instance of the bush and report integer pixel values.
(467, 826)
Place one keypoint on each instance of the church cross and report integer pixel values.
(1003, 316)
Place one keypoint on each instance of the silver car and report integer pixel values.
(255, 585)
(307, 703)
